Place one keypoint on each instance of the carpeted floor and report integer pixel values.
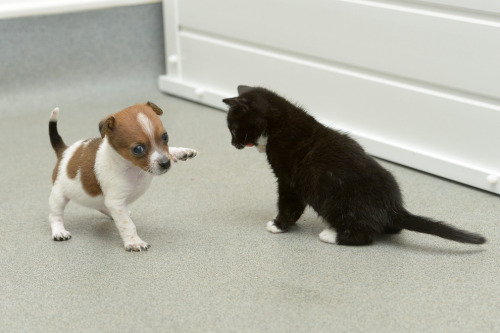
(212, 266)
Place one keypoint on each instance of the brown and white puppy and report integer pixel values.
(110, 172)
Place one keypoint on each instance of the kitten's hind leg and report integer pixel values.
(354, 234)
(328, 235)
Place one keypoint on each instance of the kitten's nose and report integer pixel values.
(237, 145)
(164, 163)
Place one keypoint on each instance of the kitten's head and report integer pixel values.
(246, 118)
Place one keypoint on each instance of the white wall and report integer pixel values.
(416, 82)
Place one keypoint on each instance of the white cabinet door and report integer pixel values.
(417, 83)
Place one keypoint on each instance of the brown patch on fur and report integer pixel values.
(126, 132)
(88, 177)
(74, 162)
(83, 160)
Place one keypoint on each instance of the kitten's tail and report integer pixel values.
(55, 139)
(406, 220)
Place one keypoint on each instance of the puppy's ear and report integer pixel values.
(107, 125)
(155, 108)
(243, 89)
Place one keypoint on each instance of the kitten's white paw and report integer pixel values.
(271, 227)
(328, 236)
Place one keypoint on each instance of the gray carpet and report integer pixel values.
(212, 266)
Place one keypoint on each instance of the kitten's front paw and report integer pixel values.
(271, 227)
(328, 236)
(137, 246)
(182, 154)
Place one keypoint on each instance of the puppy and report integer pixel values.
(110, 172)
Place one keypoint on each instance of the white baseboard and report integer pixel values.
(192, 92)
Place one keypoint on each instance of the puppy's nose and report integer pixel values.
(164, 163)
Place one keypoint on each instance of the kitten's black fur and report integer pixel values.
(326, 170)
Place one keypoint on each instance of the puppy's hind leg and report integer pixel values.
(57, 203)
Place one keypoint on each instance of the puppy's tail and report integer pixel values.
(55, 139)
(406, 220)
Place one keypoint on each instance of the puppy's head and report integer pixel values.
(138, 135)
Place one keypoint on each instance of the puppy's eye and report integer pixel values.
(164, 137)
(139, 150)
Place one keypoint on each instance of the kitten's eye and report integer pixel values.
(164, 137)
(139, 150)
(233, 132)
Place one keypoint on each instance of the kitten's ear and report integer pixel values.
(243, 89)
(241, 104)
(231, 101)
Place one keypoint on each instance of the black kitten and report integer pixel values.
(326, 170)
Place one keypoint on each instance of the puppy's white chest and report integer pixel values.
(139, 182)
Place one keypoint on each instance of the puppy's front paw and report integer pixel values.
(137, 246)
(61, 235)
(182, 154)
(271, 227)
